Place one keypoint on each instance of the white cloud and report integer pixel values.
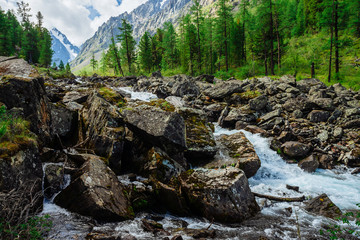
(72, 17)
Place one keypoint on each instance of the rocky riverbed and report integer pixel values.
(182, 157)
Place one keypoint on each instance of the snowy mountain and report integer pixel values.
(63, 49)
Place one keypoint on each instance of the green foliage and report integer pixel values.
(25, 39)
(348, 224)
(34, 229)
(127, 42)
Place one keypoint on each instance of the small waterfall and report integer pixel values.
(273, 176)
(143, 96)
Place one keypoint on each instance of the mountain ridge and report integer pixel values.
(63, 49)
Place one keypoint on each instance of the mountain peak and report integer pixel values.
(63, 49)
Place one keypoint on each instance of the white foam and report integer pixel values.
(143, 96)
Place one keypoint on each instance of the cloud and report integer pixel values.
(79, 19)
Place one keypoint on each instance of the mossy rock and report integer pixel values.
(112, 96)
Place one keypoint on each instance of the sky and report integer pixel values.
(77, 19)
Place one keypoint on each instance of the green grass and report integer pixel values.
(14, 133)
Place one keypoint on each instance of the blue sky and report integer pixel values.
(77, 19)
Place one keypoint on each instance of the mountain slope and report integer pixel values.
(63, 49)
(147, 17)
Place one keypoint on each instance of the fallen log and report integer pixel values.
(280, 199)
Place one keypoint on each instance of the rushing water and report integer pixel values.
(272, 178)
(143, 96)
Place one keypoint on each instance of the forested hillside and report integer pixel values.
(25, 39)
(305, 38)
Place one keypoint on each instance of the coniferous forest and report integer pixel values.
(304, 38)
(25, 39)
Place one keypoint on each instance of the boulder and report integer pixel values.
(221, 195)
(53, 179)
(319, 116)
(309, 164)
(200, 139)
(29, 95)
(241, 153)
(17, 68)
(325, 104)
(271, 115)
(95, 191)
(185, 87)
(296, 150)
(352, 124)
(306, 84)
(213, 111)
(206, 78)
(75, 96)
(165, 129)
(243, 114)
(175, 101)
(160, 166)
(352, 158)
(223, 90)
(258, 103)
(64, 122)
(102, 129)
(322, 205)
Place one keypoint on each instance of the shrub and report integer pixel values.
(340, 230)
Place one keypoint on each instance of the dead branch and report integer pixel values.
(280, 199)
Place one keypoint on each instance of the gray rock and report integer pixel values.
(243, 114)
(297, 113)
(319, 116)
(223, 195)
(95, 191)
(351, 112)
(53, 179)
(223, 90)
(309, 164)
(322, 205)
(241, 153)
(159, 127)
(64, 121)
(338, 132)
(296, 149)
(200, 140)
(258, 103)
(75, 96)
(323, 135)
(103, 129)
(271, 115)
(175, 101)
(185, 87)
(325, 104)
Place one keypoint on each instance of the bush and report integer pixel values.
(341, 231)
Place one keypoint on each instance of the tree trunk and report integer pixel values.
(226, 48)
(280, 199)
(199, 46)
(337, 57)
(331, 39)
(271, 40)
(312, 70)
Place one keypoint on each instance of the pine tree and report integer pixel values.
(93, 62)
(45, 49)
(103, 63)
(170, 57)
(157, 50)
(67, 68)
(61, 66)
(224, 17)
(145, 52)
(127, 43)
(199, 21)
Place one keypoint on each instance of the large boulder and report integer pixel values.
(241, 154)
(296, 150)
(185, 87)
(319, 116)
(244, 114)
(258, 103)
(28, 94)
(223, 90)
(165, 129)
(309, 164)
(222, 195)
(200, 140)
(102, 129)
(64, 123)
(322, 205)
(95, 191)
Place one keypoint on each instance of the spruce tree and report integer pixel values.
(61, 66)
(145, 52)
(127, 43)
(93, 62)
(170, 56)
(224, 17)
